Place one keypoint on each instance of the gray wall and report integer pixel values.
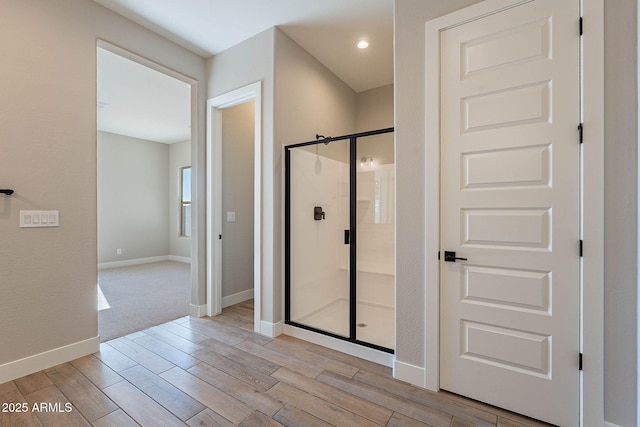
(139, 198)
(621, 214)
(374, 108)
(409, 27)
(237, 196)
(48, 139)
(133, 198)
(179, 156)
(621, 170)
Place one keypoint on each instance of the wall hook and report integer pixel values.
(7, 192)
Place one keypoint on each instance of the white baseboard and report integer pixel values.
(237, 298)
(370, 354)
(38, 362)
(271, 330)
(197, 310)
(409, 373)
(140, 261)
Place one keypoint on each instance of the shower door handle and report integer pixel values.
(347, 234)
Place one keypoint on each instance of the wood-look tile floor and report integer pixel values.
(217, 372)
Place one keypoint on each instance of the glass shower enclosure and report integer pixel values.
(339, 237)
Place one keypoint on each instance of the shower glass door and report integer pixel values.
(318, 215)
(375, 222)
(339, 237)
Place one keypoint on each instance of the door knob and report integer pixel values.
(450, 256)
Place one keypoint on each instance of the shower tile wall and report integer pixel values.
(319, 257)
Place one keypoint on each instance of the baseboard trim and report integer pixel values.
(370, 354)
(271, 330)
(409, 373)
(140, 261)
(608, 424)
(197, 310)
(38, 362)
(237, 298)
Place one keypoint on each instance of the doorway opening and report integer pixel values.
(238, 134)
(144, 193)
(234, 201)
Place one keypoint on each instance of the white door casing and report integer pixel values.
(510, 204)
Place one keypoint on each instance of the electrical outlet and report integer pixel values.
(119, 251)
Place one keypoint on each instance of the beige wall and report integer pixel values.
(309, 99)
(374, 108)
(48, 140)
(246, 63)
(237, 196)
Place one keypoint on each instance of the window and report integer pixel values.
(185, 201)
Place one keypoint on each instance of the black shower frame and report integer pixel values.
(353, 139)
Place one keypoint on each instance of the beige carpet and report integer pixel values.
(142, 296)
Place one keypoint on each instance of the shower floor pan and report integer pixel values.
(375, 322)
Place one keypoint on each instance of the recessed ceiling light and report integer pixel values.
(363, 44)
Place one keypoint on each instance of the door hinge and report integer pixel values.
(580, 248)
(579, 361)
(219, 236)
(580, 129)
(581, 25)
(438, 254)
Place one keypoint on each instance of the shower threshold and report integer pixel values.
(377, 321)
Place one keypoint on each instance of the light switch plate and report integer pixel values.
(29, 219)
(231, 217)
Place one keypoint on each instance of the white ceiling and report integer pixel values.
(136, 101)
(327, 29)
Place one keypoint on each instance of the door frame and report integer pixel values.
(215, 106)
(197, 171)
(592, 292)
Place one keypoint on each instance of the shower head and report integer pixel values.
(319, 137)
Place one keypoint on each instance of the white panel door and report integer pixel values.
(510, 204)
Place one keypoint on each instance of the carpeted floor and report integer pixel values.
(142, 296)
